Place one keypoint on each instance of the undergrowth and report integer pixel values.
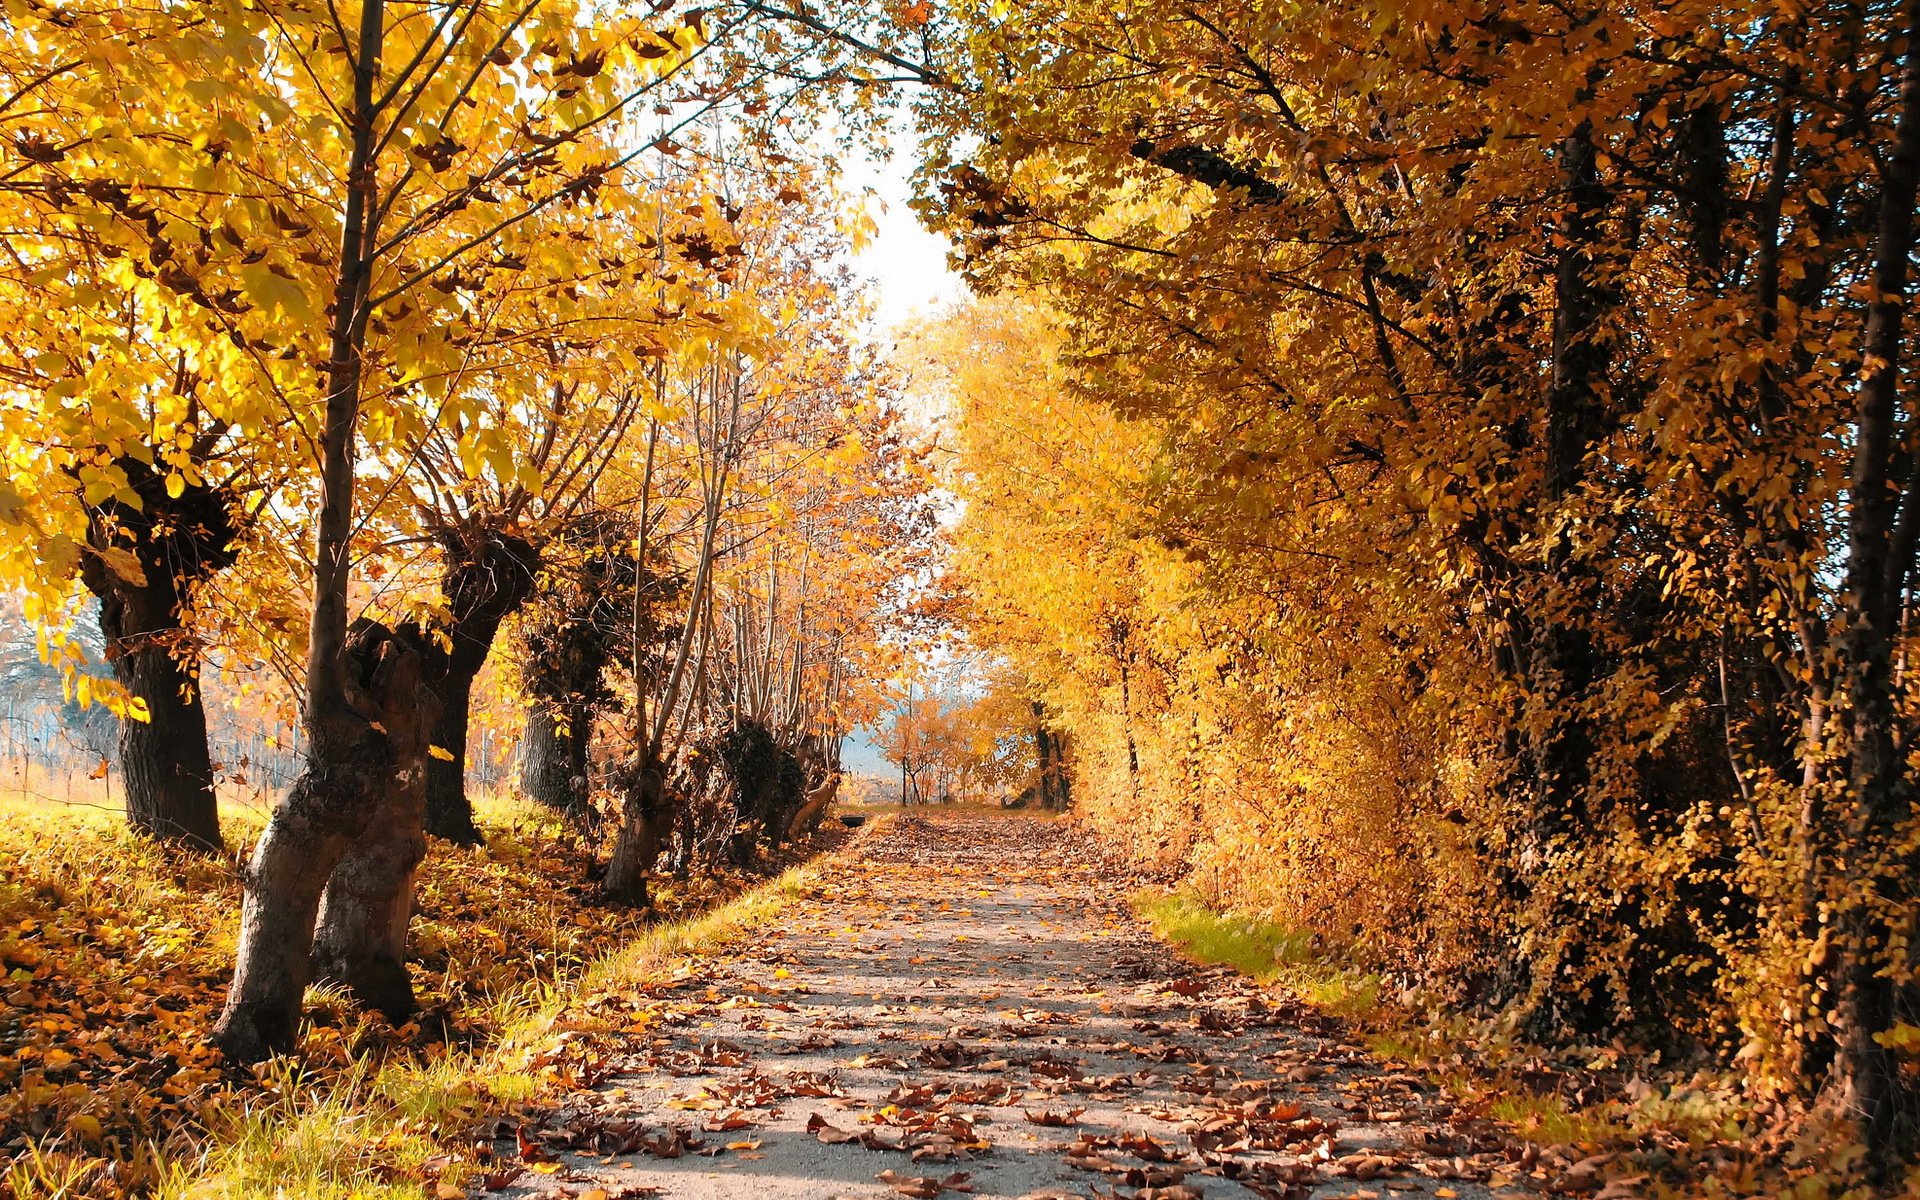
(116, 955)
(1664, 1131)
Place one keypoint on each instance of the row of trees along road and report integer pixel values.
(1452, 470)
(1449, 470)
(338, 335)
(984, 743)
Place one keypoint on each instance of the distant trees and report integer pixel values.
(961, 748)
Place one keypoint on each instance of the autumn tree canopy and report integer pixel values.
(1444, 478)
(1450, 471)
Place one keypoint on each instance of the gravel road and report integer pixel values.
(964, 1004)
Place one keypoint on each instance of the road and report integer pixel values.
(964, 1004)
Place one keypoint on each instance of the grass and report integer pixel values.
(372, 1135)
(1259, 949)
(1699, 1135)
(114, 956)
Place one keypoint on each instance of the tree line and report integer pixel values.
(341, 338)
(1452, 470)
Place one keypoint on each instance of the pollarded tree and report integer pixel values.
(353, 179)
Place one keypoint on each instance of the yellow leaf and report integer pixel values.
(441, 753)
(123, 563)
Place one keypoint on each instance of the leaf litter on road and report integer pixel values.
(816, 1043)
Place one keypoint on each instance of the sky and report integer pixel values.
(907, 264)
(908, 267)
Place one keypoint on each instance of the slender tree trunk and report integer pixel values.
(1877, 890)
(447, 811)
(364, 688)
(1043, 755)
(646, 816)
(1562, 667)
(1126, 716)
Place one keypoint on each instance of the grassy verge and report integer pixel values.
(1677, 1132)
(1259, 949)
(114, 955)
(380, 1134)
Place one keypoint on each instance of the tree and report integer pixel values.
(1522, 360)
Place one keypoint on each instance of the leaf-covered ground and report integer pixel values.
(966, 1006)
(115, 954)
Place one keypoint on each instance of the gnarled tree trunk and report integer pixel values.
(364, 756)
(645, 822)
(807, 818)
(142, 565)
(489, 575)
(361, 937)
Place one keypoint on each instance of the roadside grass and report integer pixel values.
(114, 955)
(1259, 949)
(1686, 1131)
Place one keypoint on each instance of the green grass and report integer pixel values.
(1259, 949)
(369, 1137)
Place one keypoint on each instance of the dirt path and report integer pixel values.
(967, 1004)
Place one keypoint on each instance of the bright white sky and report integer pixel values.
(907, 264)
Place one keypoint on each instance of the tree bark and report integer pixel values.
(1876, 890)
(1562, 666)
(645, 822)
(489, 574)
(447, 811)
(359, 751)
(166, 767)
(553, 763)
(806, 818)
(361, 938)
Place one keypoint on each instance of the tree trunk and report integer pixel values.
(447, 811)
(1876, 892)
(1042, 753)
(363, 753)
(489, 575)
(543, 758)
(645, 822)
(1562, 666)
(176, 541)
(365, 691)
(807, 818)
(361, 940)
(553, 763)
(165, 765)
